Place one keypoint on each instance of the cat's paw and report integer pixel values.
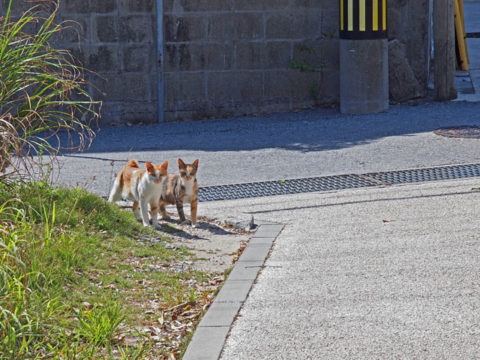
(185, 222)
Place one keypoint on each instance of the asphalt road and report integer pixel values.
(282, 146)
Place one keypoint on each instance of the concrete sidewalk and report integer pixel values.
(364, 274)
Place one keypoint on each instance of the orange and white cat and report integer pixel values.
(180, 188)
(143, 186)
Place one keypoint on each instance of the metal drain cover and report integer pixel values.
(283, 187)
(337, 182)
(466, 131)
(428, 174)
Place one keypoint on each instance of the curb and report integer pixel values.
(212, 331)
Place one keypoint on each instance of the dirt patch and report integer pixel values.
(216, 246)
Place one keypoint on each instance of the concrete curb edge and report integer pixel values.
(212, 331)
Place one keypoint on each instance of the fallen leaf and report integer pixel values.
(87, 305)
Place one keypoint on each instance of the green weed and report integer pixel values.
(61, 249)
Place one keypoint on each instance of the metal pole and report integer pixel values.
(160, 62)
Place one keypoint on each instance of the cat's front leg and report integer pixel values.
(136, 211)
(193, 212)
(163, 210)
(154, 212)
(144, 210)
(181, 214)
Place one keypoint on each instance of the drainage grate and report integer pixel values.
(283, 187)
(429, 174)
(339, 182)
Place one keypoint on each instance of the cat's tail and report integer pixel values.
(116, 192)
(132, 163)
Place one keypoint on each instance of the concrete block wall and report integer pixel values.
(227, 57)
(235, 57)
(116, 40)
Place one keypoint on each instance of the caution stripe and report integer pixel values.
(363, 19)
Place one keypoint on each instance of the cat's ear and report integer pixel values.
(195, 164)
(181, 164)
(150, 167)
(165, 165)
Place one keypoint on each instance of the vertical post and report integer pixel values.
(444, 49)
(160, 61)
(363, 56)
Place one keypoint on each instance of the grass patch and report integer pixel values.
(75, 283)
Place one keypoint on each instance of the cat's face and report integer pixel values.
(188, 171)
(157, 172)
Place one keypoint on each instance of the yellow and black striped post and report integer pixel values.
(363, 19)
(364, 82)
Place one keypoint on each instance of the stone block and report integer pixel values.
(317, 54)
(75, 29)
(106, 28)
(234, 291)
(245, 271)
(294, 25)
(102, 6)
(185, 57)
(189, 57)
(227, 86)
(182, 86)
(103, 58)
(137, 28)
(124, 87)
(250, 55)
(220, 314)
(221, 27)
(219, 56)
(249, 26)
(307, 4)
(139, 58)
(182, 6)
(255, 253)
(137, 6)
(207, 343)
(268, 231)
(261, 5)
(291, 84)
(278, 54)
(74, 7)
(184, 28)
(140, 112)
(279, 26)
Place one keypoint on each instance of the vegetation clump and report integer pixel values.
(42, 91)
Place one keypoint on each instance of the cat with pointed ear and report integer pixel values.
(143, 186)
(180, 188)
